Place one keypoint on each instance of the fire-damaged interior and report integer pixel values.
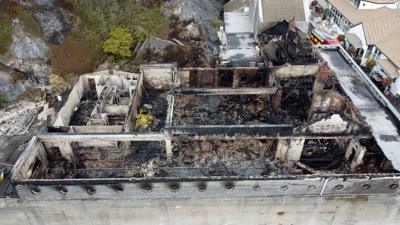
(290, 125)
(287, 118)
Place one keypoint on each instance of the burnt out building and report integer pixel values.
(292, 139)
(103, 101)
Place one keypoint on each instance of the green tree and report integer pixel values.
(119, 42)
(3, 100)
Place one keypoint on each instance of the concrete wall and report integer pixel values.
(97, 129)
(22, 168)
(130, 119)
(158, 76)
(67, 110)
(291, 71)
(359, 31)
(279, 210)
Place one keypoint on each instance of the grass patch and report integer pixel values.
(5, 36)
(3, 100)
(216, 23)
(73, 56)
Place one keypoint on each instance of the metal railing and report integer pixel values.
(371, 86)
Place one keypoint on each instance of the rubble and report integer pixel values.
(18, 118)
(192, 110)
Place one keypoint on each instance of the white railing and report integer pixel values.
(371, 86)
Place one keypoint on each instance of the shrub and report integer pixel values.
(58, 83)
(216, 23)
(99, 16)
(119, 42)
(3, 100)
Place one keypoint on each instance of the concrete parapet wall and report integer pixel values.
(285, 210)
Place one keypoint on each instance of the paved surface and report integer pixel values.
(241, 49)
(383, 128)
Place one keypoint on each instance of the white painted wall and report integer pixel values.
(359, 31)
(307, 10)
(379, 70)
(370, 5)
(395, 88)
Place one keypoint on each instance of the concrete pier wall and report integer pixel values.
(278, 210)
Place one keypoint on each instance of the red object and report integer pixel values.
(331, 42)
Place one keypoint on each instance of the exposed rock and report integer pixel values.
(103, 66)
(37, 71)
(29, 54)
(200, 11)
(26, 47)
(52, 20)
(32, 3)
(53, 24)
(11, 90)
(193, 30)
(17, 118)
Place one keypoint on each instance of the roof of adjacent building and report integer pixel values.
(388, 67)
(381, 26)
(354, 40)
(235, 5)
(356, 16)
(382, 1)
(276, 11)
(390, 46)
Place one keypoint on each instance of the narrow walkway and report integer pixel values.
(381, 122)
(241, 44)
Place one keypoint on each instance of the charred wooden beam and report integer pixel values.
(226, 91)
(221, 69)
(102, 137)
(307, 168)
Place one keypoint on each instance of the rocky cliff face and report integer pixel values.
(28, 54)
(201, 11)
(52, 19)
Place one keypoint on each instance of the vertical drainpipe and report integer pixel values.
(260, 16)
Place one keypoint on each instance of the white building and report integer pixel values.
(372, 31)
(245, 19)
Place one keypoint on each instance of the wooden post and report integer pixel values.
(66, 149)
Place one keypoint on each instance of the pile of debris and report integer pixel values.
(17, 119)
(155, 104)
(284, 43)
(196, 151)
(221, 110)
(227, 158)
(84, 110)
